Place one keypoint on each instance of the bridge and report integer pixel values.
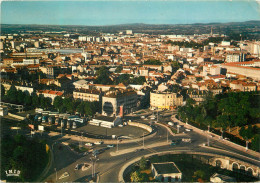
(213, 159)
(235, 165)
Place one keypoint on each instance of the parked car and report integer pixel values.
(170, 123)
(88, 144)
(186, 140)
(98, 143)
(111, 145)
(137, 150)
(173, 144)
(188, 130)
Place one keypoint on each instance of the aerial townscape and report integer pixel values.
(130, 103)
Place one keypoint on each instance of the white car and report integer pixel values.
(98, 143)
(170, 123)
(112, 145)
(186, 140)
(142, 117)
(188, 130)
(88, 144)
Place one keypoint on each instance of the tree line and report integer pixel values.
(19, 97)
(27, 156)
(227, 110)
(70, 105)
(193, 44)
(103, 77)
(66, 104)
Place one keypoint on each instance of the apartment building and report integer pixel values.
(164, 100)
(211, 70)
(87, 95)
(119, 101)
(50, 94)
(235, 57)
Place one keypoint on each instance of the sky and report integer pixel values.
(133, 11)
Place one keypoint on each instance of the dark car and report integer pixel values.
(137, 150)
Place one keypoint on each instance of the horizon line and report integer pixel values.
(133, 23)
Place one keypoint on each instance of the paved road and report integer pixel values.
(110, 161)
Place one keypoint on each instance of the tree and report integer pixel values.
(20, 97)
(119, 69)
(35, 100)
(242, 132)
(12, 94)
(18, 153)
(2, 90)
(138, 80)
(103, 76)
(81, 108)
(58, 102)
(87, 109)
(28, 100)
(255, 143)
(124, 78)
(199, 174)
(135, 176)
(152, 62)
(143, 163)
(139, 177)
(69, 104)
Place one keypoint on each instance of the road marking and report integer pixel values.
(64, 175)
(149, 149)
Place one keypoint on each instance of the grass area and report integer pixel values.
(149, 173)
(140, 112)
(193, 168)
(173, 130)
(78, 149)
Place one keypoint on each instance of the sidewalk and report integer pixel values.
(125, 151)
(216, 137)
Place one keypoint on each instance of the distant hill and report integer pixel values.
(247, 28)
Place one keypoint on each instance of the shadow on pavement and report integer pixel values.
(86, 178)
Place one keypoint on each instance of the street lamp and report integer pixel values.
(157, 114)
(247, 144)
(56, 174)
(208, 134)
(167, 136)
(117, 144)
(221, 133)
(93, 161)
(80, 143)
(61, 125)
(143, 139)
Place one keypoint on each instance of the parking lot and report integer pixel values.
(125, 131)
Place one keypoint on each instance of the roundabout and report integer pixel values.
(114, 162)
